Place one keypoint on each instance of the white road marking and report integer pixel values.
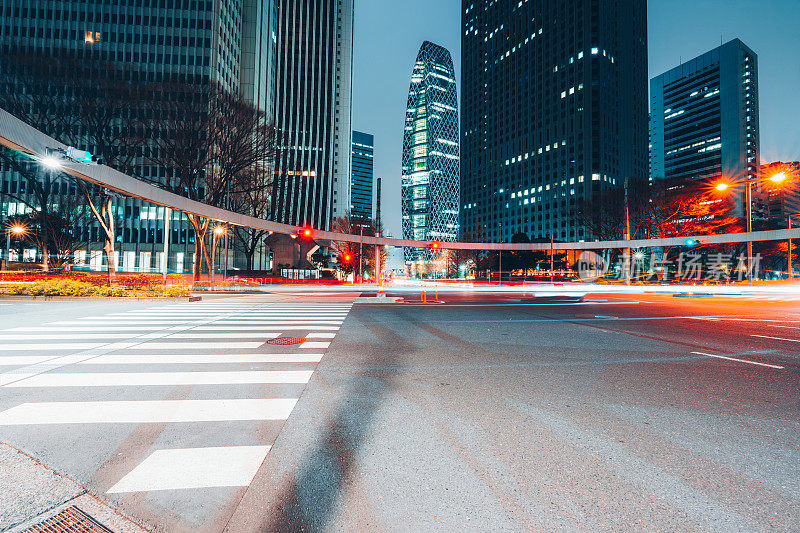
(64, 336)
(157, 314)
(140, 359)
(195, 334)
(86, 328)
(54, 346)
(311, 345)
(147, 412)
(738, 360)
(321, 335)
(746, 319)
(155, 379)
(13, 360)
(269, 327)
(787, 327)
(194, 468)
(168, 322)
(196, 346)
(776, 338)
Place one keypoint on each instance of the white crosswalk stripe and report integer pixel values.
(203, 345)
(153, 411)
(194, 468)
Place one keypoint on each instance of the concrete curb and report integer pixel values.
(15, 298)
(378, 300)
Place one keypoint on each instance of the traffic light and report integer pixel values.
(434, 245)
(306, 232)
(690, 243)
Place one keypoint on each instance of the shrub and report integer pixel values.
(69, 287)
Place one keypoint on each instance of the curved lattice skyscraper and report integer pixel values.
(431, 151)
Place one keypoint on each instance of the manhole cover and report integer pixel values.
(283, 341)
(70, 520)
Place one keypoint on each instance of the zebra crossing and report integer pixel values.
(122, 370)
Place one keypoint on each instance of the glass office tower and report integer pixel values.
(227, 42)
(553, 111)
(361, 184)
(704, 118)
(313, 111)
(430, 183)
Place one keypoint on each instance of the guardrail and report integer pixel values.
(20, 136)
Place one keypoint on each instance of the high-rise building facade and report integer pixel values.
(313, 111)
(226, 42)
(430, 183)
(362, 168)
(704, 118)
(553, 111)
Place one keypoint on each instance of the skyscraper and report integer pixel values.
(430, 186)
(225, 42)
(554, 110)
(704, 118)
(361, 184)
(313, 111)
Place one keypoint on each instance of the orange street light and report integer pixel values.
(219, 230)
(16, 229)
(778, 177)
(722, 186)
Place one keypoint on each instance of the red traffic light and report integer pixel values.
(434, 245)
(347, 258)
(306, 232)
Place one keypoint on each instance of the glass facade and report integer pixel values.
(704, 118)
(553, 111)
(361, 184)
(223, 41)
(430, 177)
(313, 111)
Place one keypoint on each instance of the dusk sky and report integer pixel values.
(388, 35)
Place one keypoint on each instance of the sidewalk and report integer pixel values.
(31, 493)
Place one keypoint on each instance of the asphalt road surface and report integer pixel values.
(636, 412)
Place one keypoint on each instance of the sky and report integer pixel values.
(388, 34)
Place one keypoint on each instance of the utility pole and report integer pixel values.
(789, 249)
(378, 266)
(225, 274)
(500, 251)
(749, 202)
(627, 236)
(361, 252)
(165, 264)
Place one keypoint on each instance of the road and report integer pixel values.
(485, 412)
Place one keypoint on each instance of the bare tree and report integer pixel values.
(349, 254)
(209, 141)
(60, 229)
(254, 201)
(82, 103)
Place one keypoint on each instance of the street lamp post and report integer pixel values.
(17, 230)
(748, 200)
(218, 230)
